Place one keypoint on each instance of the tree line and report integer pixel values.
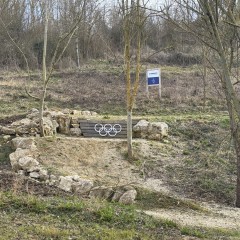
(99, 34)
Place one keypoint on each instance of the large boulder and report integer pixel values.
(157, 130)
(140, 130)
(15, 156)
(75, 184)
(28, 163)
(152, 131)
(24, 143)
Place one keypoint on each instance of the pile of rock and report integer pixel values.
(64, 122)
(24, 161)
(68, 122)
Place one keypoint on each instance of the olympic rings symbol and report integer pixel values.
(108, 129)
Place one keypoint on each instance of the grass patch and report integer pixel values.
(5, 150)
(29, 217)
(149, 200)
(210, 233)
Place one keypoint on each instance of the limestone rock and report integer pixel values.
(82, 186)
(66, 111)
(27, 130)
(24, 143)
(40, 174)
(128, 197)
(157, 130)
(53, 180)
(74, 120)
(117, 194)
(15, 156)
(25, 121)
(35, 175)
(152, 131)
(66, 183)
(55, 126)
(64, 124)
(7, 130)
(43, 174)
(27, 162)
(120, 191)
(52, 114)
(26, 126)
(48, 126)
(75, 132)
(76, 178)
(140, 130)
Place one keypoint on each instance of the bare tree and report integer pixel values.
(216, 25)
(134, 20)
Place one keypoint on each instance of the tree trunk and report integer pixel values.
(129, 134)
(77, 53)
(238, 175)
(44, 71)
(234, 124)
(204, 77)
(235, 131)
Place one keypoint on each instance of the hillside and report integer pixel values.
(187, 181)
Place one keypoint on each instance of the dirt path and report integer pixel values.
(216, 216)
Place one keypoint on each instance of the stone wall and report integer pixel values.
(68, 122)
(24, 161)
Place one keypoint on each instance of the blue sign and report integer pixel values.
(153, 81)
(153, 78)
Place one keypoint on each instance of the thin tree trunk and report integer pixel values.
(204, 77)
(77, 52)
(44, 71)
(238, 173)
(129, 134)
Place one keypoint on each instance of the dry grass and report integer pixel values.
(101, 87)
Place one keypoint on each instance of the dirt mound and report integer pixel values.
(95, 159)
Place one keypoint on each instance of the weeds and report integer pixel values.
(58, 218)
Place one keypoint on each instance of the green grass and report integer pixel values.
(5, 150)
(149, 200)
(27, 217)
(32, 217)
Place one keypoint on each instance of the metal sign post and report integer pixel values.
(153, 77)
